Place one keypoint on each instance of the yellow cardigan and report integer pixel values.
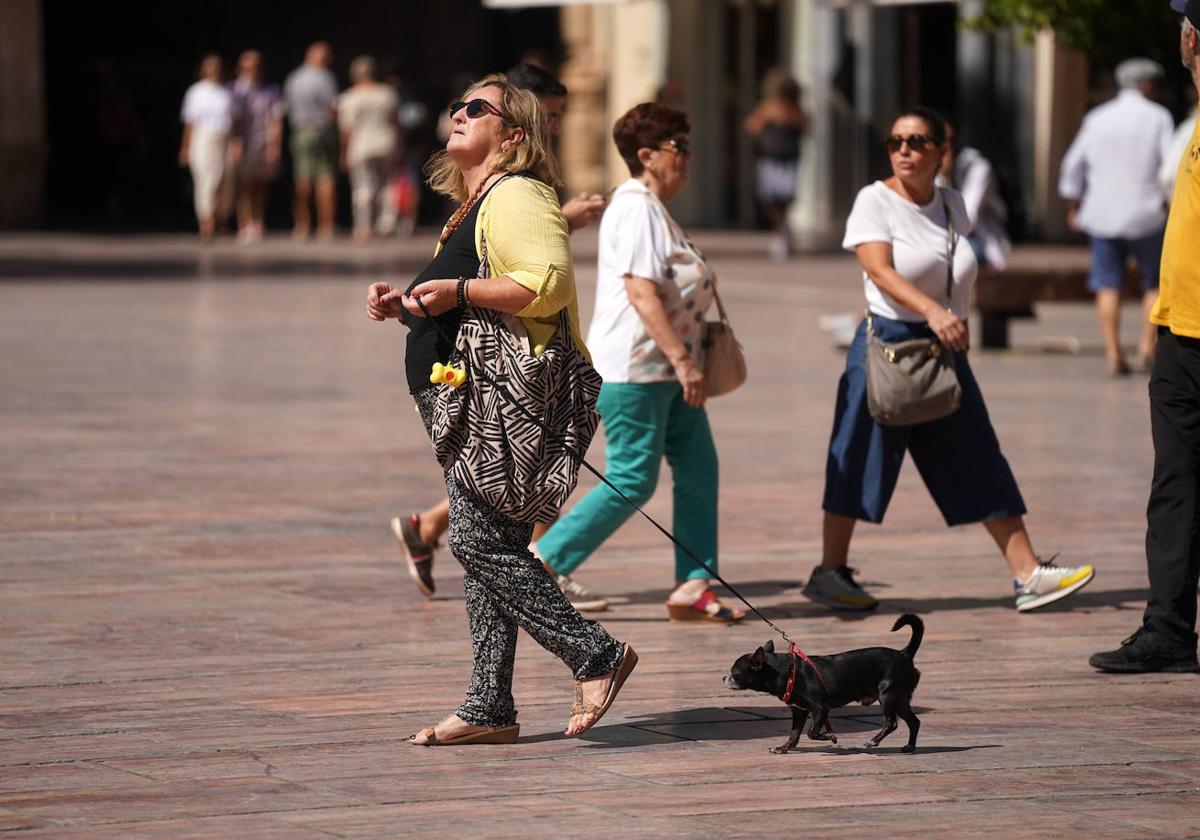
(528, 240)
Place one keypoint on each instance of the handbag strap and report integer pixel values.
(951, 249)
(720, 306)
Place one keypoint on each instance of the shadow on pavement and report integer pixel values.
(1121, 599)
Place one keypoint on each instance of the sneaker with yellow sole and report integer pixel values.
(1049, 583)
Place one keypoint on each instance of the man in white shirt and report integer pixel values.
(1110, 181)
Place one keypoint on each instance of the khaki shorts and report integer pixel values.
(314, 153)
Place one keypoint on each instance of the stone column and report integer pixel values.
(1061, 89)
(976, 88)
(637, 66)
(817, 216)
(697, 48)
(22, 113)
(586, 129)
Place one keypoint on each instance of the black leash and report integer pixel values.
(578, 456)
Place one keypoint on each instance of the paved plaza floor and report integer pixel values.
(206, 629)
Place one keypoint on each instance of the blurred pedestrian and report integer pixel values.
(1181, 140)
(310, 92)
(905, 231)
(778, 125)
(653, 287)
(498, 165)
(258, 122)
(968, 171)
(413, 149)
(1109, 179)
(207, 116)
(419, 533)
(1166, 639)
(367, 116)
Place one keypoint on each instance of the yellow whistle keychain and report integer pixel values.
(447, 375)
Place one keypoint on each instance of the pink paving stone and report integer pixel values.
(208, 631)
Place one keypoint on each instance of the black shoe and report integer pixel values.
(1145, 652)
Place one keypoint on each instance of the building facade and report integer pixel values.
(859, 62)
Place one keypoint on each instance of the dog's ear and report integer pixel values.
(769, 647)
(756, 661)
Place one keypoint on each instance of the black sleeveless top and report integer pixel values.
(425, 345)
(778, 141)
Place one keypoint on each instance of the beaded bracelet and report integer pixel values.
(461, 293)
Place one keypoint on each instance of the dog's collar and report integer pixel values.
(797, 656)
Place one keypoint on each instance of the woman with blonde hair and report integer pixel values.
(498, 164)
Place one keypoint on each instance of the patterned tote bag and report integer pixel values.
(515, 432)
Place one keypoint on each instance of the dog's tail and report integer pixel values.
(918, 628)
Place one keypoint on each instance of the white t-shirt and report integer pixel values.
(209, 106)
(638, 237)
(369, 115)
(919, 240)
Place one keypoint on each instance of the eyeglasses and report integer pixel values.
(916, 142)
(678, 145)
(476, 108)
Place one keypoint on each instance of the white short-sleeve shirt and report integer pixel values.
(208, 105)
(920, 246)
(638, 237)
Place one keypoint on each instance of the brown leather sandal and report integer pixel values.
(629, 660)
(487, 735)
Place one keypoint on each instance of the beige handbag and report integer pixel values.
(724, 364)
(914, 381)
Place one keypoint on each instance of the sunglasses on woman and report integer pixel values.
(678, 145)
(476, 108)
(916, 142)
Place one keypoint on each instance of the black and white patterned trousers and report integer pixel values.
(507, 587)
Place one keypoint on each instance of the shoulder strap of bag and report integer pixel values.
(720, 306)
(484, 270)
(951, 249)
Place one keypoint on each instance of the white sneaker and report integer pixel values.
(1049, 583)
(581, 598)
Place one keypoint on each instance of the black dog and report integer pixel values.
(822, 683)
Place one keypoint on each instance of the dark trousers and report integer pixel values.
(1173, 514)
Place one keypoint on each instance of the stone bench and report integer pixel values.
(1035, 274)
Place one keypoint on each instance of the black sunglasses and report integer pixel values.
(916, 142)
(476, 108)
(678, 145)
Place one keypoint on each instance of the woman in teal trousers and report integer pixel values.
(652, 290)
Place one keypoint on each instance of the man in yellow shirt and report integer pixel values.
(1166, 641)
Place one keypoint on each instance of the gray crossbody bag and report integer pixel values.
(914, 381)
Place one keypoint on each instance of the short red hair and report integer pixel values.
(647, 126)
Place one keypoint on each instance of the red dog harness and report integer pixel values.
(797, 655)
